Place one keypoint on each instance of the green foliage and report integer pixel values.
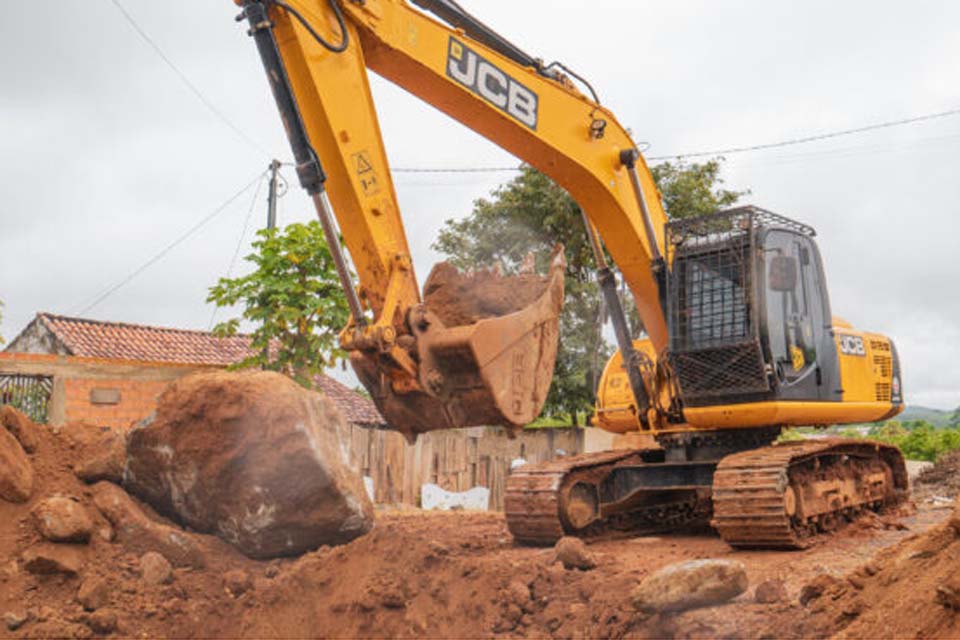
(954, 420)
(918, 440)
(293, 296)
(790, 435)
(532, 213)
(693, 189)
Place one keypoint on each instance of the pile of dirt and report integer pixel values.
(909, 590)
(943, 478)
(465, 298)
(84, 559)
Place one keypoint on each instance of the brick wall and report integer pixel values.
(103, 392)
(127, 401)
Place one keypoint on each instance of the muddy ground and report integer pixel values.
(459, 575)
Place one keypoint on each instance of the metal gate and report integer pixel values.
(29, 394)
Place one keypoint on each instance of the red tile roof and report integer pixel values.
(120, 341)
(356, 408)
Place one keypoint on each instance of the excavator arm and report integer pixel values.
(422, 374)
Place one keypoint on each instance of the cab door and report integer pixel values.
(802, 352)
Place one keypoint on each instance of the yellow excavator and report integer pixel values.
(740, 338)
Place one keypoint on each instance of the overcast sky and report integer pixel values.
(107, 157)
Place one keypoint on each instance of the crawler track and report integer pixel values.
(537, 497)
(532, 501)
(754, 492)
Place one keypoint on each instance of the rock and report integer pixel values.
(15, 619)
(103, 621)
(770, 591)
(106, 465)
(155, 569)
(518, 594)
(93, 594)
(46, 558)
(237, 582)
(948, 592)
(56, 629)
(139, 534)
(294, 490)
(16, 471)
(824, 584)
(573, 553)
(20, 427)
(954, 521)
(62, 519)
(687, 585)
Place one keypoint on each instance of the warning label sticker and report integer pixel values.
(366, 173)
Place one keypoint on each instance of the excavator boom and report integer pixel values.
(423, 373)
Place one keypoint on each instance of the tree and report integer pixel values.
(293, 296)
(2, 342)
(532, 213)
(693, 189)
(954, 420)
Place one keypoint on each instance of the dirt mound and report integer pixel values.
(911, 590)
(431, 575)
(465, 298)
(942, 478)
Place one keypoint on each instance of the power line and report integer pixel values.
(729, 150)
(243, 235)
(189, 232)
(454, 170)
(813, 138)
(186, 81)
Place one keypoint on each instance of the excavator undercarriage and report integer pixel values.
(774, 496)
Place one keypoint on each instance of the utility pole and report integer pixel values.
(272, 197)
(271, 222)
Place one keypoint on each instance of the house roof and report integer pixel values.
(356, 408)
(132, 342)
(121, 341)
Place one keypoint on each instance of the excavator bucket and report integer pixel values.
(486, 346)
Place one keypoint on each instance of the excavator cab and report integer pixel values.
(749, 312)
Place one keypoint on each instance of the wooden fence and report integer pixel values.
(455, 460)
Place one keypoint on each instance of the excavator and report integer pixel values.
(740, 341)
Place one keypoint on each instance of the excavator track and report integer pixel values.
(540, 499)
(784, 496)
(532, 500)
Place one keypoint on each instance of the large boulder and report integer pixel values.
(253, 458)
(16, 471)
(687, 585)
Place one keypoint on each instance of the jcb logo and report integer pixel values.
(852, 345)
(493, 85)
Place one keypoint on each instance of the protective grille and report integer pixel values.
(706, 374)
(715, 346)
(711, 290)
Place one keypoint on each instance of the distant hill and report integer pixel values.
(936, 417)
